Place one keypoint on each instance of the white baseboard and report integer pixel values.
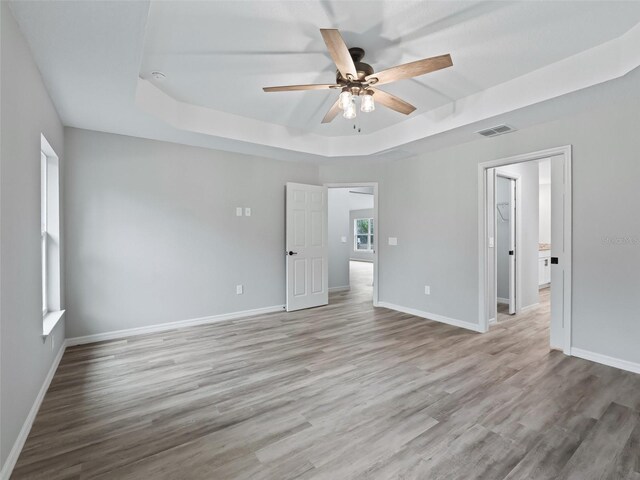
(606, 360)
(432, 316)
(340, 289)
(529, 307)
(503, 300)
(7, 468)
(162, 327)
(493, 321)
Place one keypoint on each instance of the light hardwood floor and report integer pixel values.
(339, 392)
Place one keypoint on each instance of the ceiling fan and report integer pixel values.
(357, 79)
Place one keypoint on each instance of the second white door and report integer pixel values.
(307, 251)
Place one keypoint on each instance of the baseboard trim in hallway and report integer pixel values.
(432, 316)
(161, 327)
(7, 468)
(606, 360)
(343, 288)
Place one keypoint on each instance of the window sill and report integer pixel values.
(50, 320)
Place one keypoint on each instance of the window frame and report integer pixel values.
(44, 240)
(50, 238)
(369, 234)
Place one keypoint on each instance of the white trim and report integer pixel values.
(503, 300)
(529, 307)
(376, 224)
(606, 360)
(432, 316)
(483, 279)
(162, 327)
(50, 320)
(343, 288)
(7, 469)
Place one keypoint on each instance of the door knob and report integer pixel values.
(291, 252)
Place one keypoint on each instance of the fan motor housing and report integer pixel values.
(363, 69)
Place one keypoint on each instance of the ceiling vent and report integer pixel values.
(497, 130)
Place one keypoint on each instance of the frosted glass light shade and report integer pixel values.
(344, 100)
(350, 111)
(367, 104)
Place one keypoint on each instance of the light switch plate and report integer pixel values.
(427, 290)
(343, 239)
(393, 241)
(238, 211)
(247, 212)
(239, 289)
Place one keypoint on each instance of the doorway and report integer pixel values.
(353, 240)
(523, 269)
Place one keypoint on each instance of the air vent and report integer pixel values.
(497, 130)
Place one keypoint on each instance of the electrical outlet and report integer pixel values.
(427, 290)
(343, 239)
(238, 289)
(247, 212)
(238, 211)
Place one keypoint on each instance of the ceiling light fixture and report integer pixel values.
(344, 100)
(367, 105)
(350, 111)
(354, 78)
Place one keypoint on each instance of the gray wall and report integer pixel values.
(544, 227)
(27, 112)
(430, 203)
(529, 224)
(355, 254)
(152, 232)
(338, 227)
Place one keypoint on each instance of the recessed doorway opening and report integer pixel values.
(353, 237)
(525, 253)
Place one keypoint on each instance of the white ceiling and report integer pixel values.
(217, 56)
(221, 54)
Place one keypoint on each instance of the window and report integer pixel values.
(50, 236)
(43, 228)
(363, 235)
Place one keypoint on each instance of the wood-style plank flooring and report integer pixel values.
(340, 392)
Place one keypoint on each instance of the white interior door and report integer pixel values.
(307, 249)
(559, 257)
(512, 246)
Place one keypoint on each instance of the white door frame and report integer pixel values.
(483, 270)
(518, 239)
(376, 226)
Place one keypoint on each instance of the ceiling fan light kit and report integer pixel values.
(356, 79)
(367, 105)
(350, 111)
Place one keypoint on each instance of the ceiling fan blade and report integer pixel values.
(392, 102)
(339, 52)
(410, 70)
(332, 113)
(291, 88)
